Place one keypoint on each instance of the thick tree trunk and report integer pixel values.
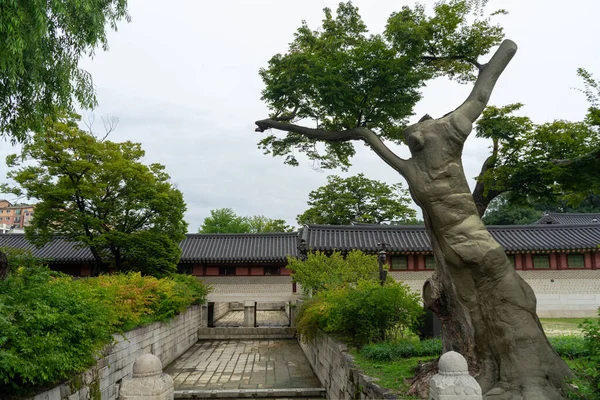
(98, 262)
(487, 310)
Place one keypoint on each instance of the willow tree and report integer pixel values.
(357, 87)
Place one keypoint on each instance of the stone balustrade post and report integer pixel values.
(148, 381)
(293, 313)
(204, 316)
(453, 381)
(249, 314)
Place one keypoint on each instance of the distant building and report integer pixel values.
(15, 217)
(568, 219)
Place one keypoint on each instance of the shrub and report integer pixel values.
(394, 351)
(587, 368)
(321, 271)
(361, 314)
(52, 326)
(570, 347)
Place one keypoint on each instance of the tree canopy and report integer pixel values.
(353, 87)
(343, 79)
(549, 162)
(40, 47)
(99, 194)
(225, 220)
(357, 199)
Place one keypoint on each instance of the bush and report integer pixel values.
(321, 271)
(569, 347)
(361, 314)
(52, 326)
(402, 349)
(587, 368)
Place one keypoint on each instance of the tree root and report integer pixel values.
(419, 384)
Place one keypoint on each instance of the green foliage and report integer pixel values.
(587, 369)
(550, 162)
(393, 351)
(52, 326)
(502, 211)
(40, 47)
(569, 347)
(341, 77)
(360, 314)
(98, 193)
(321, 271)
(225, 220)
(343, 201)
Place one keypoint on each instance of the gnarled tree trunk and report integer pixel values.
(487, 310)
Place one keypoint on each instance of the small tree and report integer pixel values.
(98, 193)
(343, 201)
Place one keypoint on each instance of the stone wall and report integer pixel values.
(336, 370)
(559, 293)
(166, 340)
(221, 309)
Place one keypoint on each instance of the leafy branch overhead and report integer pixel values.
(341, 79)
(41, 43)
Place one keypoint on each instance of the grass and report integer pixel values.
(562, 326)
(565, 334)
(390, 374)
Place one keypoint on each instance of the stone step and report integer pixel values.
(224, 333)
(255, 394)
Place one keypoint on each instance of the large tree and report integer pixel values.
(356, 87)
(538, 163)
(225, 220)
(99, 194)
(41, 43)
(357, 199)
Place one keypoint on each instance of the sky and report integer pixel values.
(182, 79)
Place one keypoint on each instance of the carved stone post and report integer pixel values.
(453, 382)
(148, 381)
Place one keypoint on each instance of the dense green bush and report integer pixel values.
(569, 347)
(321, 271)
(587, 368)
(393, 351)
(52, 326)
(360, 314)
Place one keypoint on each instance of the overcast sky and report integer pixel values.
(182, 78)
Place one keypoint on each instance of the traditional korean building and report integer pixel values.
(561, 262)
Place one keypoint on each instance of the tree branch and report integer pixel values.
(360, 133)
(453, 58)
(488, 76)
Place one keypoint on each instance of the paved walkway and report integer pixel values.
(263, 318)
(243, 364)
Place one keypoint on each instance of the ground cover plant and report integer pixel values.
(394, 362)
(52, 326)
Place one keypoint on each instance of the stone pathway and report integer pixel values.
(263, 318)
(243, 364)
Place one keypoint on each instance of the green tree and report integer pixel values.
(321, 271)
(343, 201)
(98, 193)
(40, 47)
(225, 220)
(359, 87)
(503, 212)
(538, 163)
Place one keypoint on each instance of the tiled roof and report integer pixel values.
(415, 239)
(569, 218)
(242, 247)
(275, 247)
(58, 250)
